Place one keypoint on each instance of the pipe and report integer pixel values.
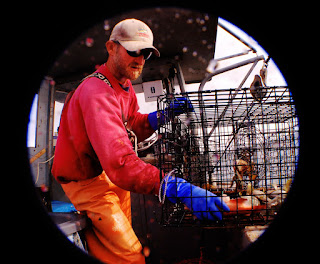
(228, 68)
(237, 37)
(253, 60)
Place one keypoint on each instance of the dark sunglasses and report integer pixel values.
(146, 53)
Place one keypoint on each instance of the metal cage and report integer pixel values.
(241, 145)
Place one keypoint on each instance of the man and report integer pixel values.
(94, 159)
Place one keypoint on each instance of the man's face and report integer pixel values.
(126, 66)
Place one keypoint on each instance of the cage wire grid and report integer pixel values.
(243, 149)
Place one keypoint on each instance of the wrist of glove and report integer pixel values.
(202, 203)
(177, 107)
(180, 105)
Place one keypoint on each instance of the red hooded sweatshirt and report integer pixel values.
(92, 137)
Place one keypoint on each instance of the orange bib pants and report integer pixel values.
(111, 238)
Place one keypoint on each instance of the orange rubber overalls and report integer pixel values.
(111, 238)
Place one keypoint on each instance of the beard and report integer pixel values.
(130, 71)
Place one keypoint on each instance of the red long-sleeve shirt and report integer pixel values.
(92, 137)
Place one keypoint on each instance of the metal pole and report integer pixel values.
(237, 37)
(233, 96)
(228, 68)
(180, 77)
(206, 79)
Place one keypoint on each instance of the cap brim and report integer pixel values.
(138, 45)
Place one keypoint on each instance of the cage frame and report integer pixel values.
(231, 112)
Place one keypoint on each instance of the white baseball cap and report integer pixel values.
(133, 35)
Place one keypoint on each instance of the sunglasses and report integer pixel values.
(146, 53)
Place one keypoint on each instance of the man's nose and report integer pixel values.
(140, 60)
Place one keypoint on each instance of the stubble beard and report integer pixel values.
(131, 71)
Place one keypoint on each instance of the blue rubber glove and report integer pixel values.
(179, 106)
(202, 203)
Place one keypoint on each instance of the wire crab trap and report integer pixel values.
(241, 147)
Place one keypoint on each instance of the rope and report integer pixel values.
(38, 167)
(165, 181)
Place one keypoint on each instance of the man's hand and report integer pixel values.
(180, 105)
(177, 107)
(202, 203)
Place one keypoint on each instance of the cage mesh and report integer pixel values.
(241, 147)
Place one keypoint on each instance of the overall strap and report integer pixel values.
(105, 79)
(95, 74)
(99, 76)
(131, 134)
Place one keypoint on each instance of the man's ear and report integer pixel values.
(111, 47)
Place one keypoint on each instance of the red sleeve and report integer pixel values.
(102, 117)
(139, 122)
